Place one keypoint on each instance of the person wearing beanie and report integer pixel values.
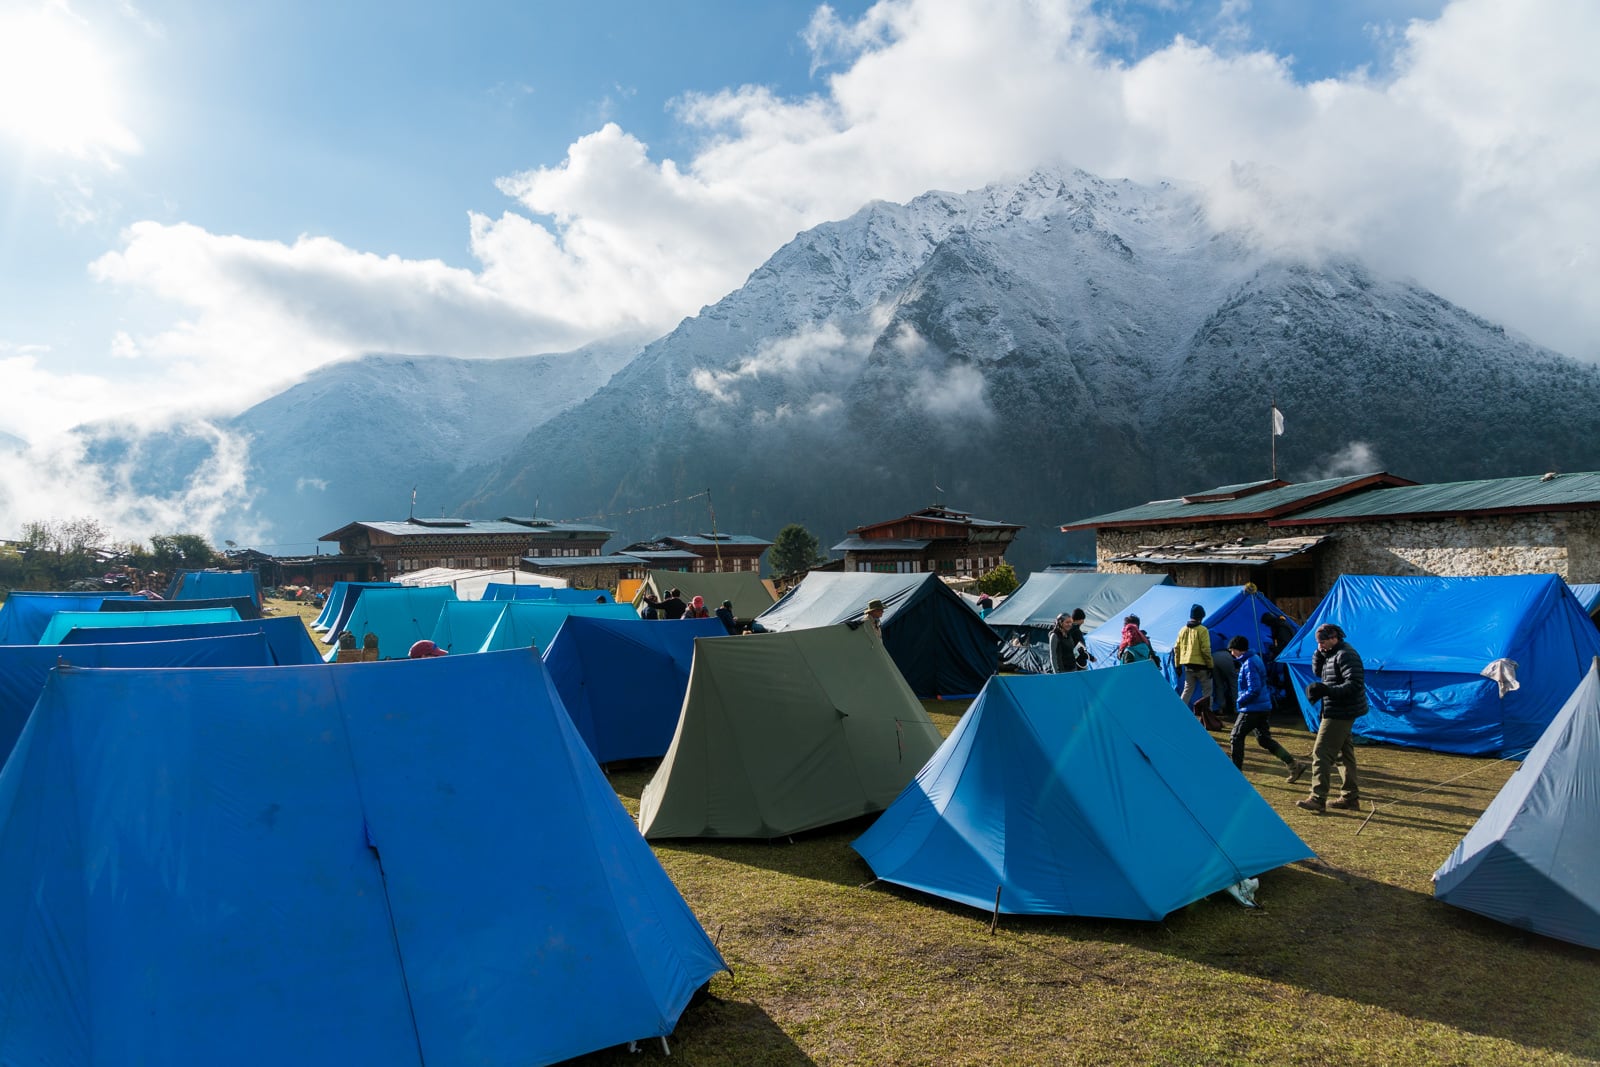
(725, 615)
(697, 609)
(1342, 688)
(1191, 653)
(1255, 710)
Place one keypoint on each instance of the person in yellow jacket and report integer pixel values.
(1191, 652)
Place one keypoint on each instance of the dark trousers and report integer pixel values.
(1256, 722)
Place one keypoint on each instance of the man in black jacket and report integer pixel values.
(1342, 688)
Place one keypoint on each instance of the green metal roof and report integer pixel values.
(1237, 502)
(1560, 492)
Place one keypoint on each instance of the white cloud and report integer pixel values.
(1357, 457)
(819, 357)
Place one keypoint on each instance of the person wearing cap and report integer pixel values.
(725, 615)
(1255, 710)
(1342, 687)
(874, 617)
(425, 649)
(1191, 652)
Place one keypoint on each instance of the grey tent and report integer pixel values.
(750, 595)
(939, 643)
(1024, 620)
(786, 732)
(1533, 858)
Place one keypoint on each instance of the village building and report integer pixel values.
(936, 540)
(587, 572)
(712, 553)
(416, 544)
(1294, 540)
(318, 571)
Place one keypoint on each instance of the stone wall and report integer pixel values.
(1109, 543)
(1565, 543)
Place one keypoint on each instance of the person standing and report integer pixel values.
(1135, 645)
(1191, 652)
(1341, 686)
(1255, 709)
(673, 607)
(874, 618)
(1067, 651)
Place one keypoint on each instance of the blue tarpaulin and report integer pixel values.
(533, 623)
(399, 617)
(1424, 641)
(622, 680)
(24, 668)
(334, 606)
(291, 646)
(1024, 621)
(25, 614)
(562, 595)
(242, 605)
(211, 585)
(464, 625)
(1533, 858)
(1092, 793)
(1231, 610)
(64, 622)
(416, 862)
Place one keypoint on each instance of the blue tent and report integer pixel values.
(1424, 641)
(286, 637)
(622, 680)
(1588, 594)
(1093, 793)
(1024, 621)
(334, 606)
(534, 623)
(211, 585)
(243, 606)
(936, 639)
(1230, 611)
(24, 668)
(25, 614)
(399, 617)
(340, 620)
(64, 622)
(1533, 858)
(562, 595)
(414, 862)
(464, 625)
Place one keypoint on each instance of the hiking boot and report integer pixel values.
(1297, 770)
(1313, 804)
(1346, 803)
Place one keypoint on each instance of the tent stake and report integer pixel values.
(995, 920)
(665, 1051)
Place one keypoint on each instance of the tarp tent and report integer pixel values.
(286, 637)
(243, 606)
(534, 623)
(470, 584)
(1588, 594)
(1424, 641)
(786, 732)
(25, 613)
(623, 680)
(64, 622)
(937, 641)
(464, 625)
(1092, 793)
(1533, 857)
(749, 594)
(336, 909)
(1231, 610)
(561, 595)
(24, 668)
(399, 617)
(1025, 619)
(212, 585)
(341, 594)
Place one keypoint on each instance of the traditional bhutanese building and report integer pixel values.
(937, 540)
(713, 553)
(416, 544)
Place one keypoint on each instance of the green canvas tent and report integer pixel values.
(786, 732)
(748, 592)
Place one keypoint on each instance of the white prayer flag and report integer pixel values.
(1277, 421)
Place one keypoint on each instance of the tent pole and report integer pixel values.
(994, 921)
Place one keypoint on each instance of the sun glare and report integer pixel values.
(56, 91)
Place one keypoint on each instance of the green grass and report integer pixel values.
(1349, 960)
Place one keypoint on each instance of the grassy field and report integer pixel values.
(1349, 960)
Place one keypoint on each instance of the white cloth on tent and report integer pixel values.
(1504, 674)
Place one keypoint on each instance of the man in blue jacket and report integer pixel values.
(1341, 686)
(1255, 709)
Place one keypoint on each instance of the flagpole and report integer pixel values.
(1272, 431)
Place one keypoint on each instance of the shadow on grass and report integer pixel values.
(823, 854)
(732, 1031)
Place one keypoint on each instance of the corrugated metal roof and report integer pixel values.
(557, 562)
(471, 527)
(1559, 492)
(879, 544)
(1240, 551)
(1255, 505)
(720, 539)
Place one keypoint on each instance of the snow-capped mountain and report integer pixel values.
(352, 440)
(1040, 352)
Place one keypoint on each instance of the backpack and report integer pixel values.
(1139, 653)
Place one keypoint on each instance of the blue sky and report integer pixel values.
(203, 203)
